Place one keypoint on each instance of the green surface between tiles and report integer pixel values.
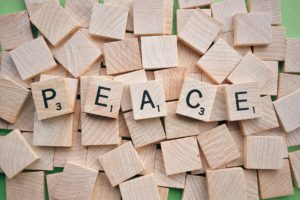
(291, 19)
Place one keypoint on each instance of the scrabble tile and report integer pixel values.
(27, 185)
(172, 80)
(218, 146)
(238, 138)
(225, 10)
(219, 61)
(181, 155)
(164, 180)
(269, 6)
(52, 180)
(34, 53)
(252, 29)
(16, 154)
(168, 10)
(182, 16)
(292, 52)
(15, 30)
(121, 163)
(11, 105)
(147, 155)
(163, 192)
(294, 158)
(98, 41)
(293, 138)
(131, 190)
(196, 99)
(53, 132)
(159, 52)
(45, 162)
(193, 3)
(195, 188)
(199, 31)
(80, 11)
(271, 86)
(122, 56)
(187, 57)
(127, 79)
(218, 112)
(148, 100)
(123, 129)
(148, 17)
(144, 132)
(288, 83)
(59, 70)
(75, 182)
(48, 21)
(108, 22)
(263, 152)
(34, 5)
(276, 183)
(251, 184)
(77, 153)
(243, 101)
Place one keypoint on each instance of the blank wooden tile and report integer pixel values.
(263, 152)
(123, 129)
(34, 5)
(294, 158)
(293, 138)
(148, 17)
(159, 52)
(122, 56)
(199, 31)
(251, 184)
(187, 57)
(182, 15)
(75, 182)
(48, 20)
(231, 179)
(193, 3)
(238, 138)
(16, 154)
(27, 185)
(276, 183)
(121, 163)
(218, 112)
(271, 86)
(252, 29)
(243, 101)
(168, 12)
(195, 188)
(181, 155)
(15, 30)
(292, 53)
(52, 180)
(147, 155)
(196, 99)
(163, 192)
(269, 6)
(288, 83)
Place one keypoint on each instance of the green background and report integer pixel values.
(290, 10)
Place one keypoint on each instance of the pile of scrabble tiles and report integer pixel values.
(130, 110)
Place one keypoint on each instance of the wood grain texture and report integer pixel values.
(34, 5)
(288, 83)
(251, 181)
(168, 12)
(292, 53)
(187, 57)
(218, 112)
(77, 116)
(163, 192)
(271, 86)
(294, 158)
(51, 180)
(182, 15)
(269, 6)
(193, 3)
(147, 155)
(123, 129)
(195, 188)
(293, 138)
(239, 142)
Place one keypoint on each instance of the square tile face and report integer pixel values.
(148, 100)
(288, 83)
(218, 146)
(16, 154)
(196, 99)
(135, 189)
(219, 61)
(12, 24)
(193, 3)
(267, 6)
(253, 29)
(271, 86)
(294, 158)
(231, 179)
(181, 155)
(292, 53)
(159, 52)
(27, 185)
(122, 56)
(35, 54)
(121, 163)
(195, 188)
(243, 101)
(108, 22)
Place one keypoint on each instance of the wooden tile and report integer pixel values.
(269, 6)
(181, 155)
(95, 69)
(243, 101)
(225, 11)
(195, 188)
(48, 21)
(52, 180)
(288, 83)
(218, 146)
(294, 158)
(187, 57)
(276, 183)
(16, 154)
(123, 128)
(252, 29)
(147, 155)
(251, 184)
(219, 61)
(168, 12)
(121, 163)
(270, 87)
(159, 52)
(59, 70)
(148, 100)
(218, 112)
(122, 56)
(196, 99)
(54, 132)
(34, 5)
(15, 30)
(182, 16)
(239, 142)
(77, 116)
(144, 132)
(11, 105)
(148, 17)
(163, 192)
(263, 152)
(292, 53)
(77, 153)
(98, 41)
(293, 138)
(108, 22)
(200, 31)
(75, 182)
(172, 80)
(193, 3)
(27, 185)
